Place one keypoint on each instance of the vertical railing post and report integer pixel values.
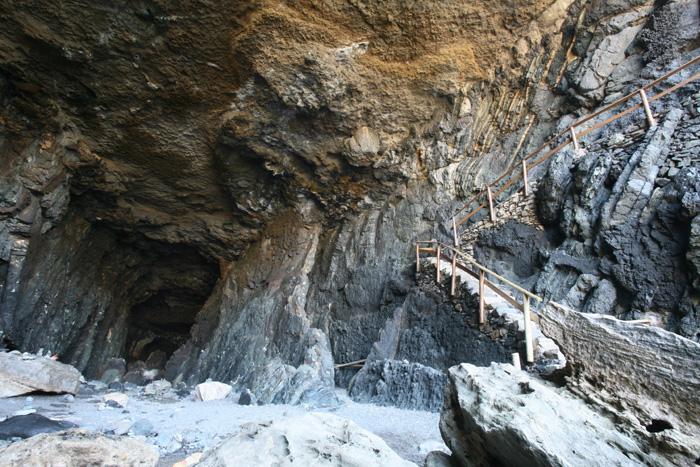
(437, 263)
(527, 186)
(516, 360)
(417, 257)
(454, 272)
(454, 230)
(647, 109)
(573, 138)
(482, 279)
(493, 213)
(528, 330)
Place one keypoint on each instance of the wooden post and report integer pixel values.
(454, 229)
(527, 187)
(573, 138)
(647, 109)
(437, 263)
(482, 278)
(516, 360)
(528, 330)
(493, 213)
(454, 273)
(417, 257)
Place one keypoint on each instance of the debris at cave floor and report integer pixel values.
(182, 427)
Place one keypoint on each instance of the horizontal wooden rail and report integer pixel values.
(351, 364)
(574, 135)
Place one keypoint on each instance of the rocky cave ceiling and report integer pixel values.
(197, 122)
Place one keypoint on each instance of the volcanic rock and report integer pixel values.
(644, 374)
(26, 426)
(500, 415)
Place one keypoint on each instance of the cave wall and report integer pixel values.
(274, 161)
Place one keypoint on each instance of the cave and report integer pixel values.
(176, 285)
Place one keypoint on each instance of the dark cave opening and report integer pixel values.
(178, 283)
(161, 323)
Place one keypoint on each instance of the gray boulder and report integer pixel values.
(502, 416)
(403, 384)
(645, 375)
(314, 439)
(21, 376)
(79, 447)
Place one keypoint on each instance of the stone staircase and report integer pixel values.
(503, 317)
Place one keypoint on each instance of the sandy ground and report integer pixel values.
(182, 426)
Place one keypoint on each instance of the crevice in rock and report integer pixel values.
(658, 425)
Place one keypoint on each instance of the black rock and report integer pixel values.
(116, 385)
(25, 426)
(183, 393)
(246, 398)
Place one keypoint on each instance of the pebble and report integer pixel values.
(143, 427)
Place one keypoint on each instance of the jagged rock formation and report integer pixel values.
(498, 415)
(645, 376)
(237, 185)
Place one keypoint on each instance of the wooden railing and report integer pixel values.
(524, 166)
(439, 251)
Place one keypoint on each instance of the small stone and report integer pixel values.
(122, 427)
(115, 386)
(246, 397)
(118, 397)
(143, 428)
(211, 391)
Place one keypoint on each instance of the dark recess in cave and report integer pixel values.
(176, 287)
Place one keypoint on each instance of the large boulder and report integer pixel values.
(314, 439)
(643, 374)
(79, 447)
(498, 415)
(19, 375)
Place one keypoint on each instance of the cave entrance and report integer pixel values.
(160, 325)
(173, 291)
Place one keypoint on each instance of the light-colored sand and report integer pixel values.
(184, 426)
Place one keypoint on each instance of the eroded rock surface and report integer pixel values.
(645, 375)
(20, 375)
(236, 188)
(79, 447)
(499, 415)
(313, 439)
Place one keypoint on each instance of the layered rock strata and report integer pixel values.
(239, 186)
(647, 377)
